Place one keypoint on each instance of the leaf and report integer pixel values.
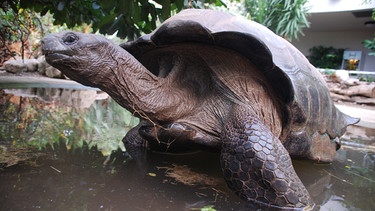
(106, 20)
(95, 6)
(199, 5)
(179, 4)
(208, 208)
(166, 9)
(220, 3)
(13, 5)
(108, 5)
(123, 31)
(60, 6)
(114, 27)
(136, 12)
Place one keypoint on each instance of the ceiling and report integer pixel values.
(340, 21)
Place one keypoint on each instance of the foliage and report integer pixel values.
(131, 18)
(127, 18)
(366, 78)
(286, 18)
(329, 72)
(10, 25)
(30, 121)
(205, 208)
(105, 124)
(22, 122)
(22, 29)
(15, 27)
(257, 9)
(370, 44)
(326, 57)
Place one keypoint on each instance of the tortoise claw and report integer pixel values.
(174, 137)
(175, 130)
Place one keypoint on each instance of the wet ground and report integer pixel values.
(55, 147)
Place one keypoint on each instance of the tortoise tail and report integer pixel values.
(350, 120)
(339, 122)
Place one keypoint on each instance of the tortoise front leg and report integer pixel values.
(133, 141)
(137, 148)
(257, 166)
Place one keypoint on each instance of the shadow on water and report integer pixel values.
(61, 150)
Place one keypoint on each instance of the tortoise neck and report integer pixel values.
(129, 83)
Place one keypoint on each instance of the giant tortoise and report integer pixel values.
(207, 79)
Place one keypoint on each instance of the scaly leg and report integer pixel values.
(133, 141)
(257, 166)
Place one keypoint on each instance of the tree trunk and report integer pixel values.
(339, 97)
(364, 90)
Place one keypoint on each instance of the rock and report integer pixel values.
(352, 82)
(42, 64)
(15, 66)
(52, 72)
(47, 70)
(42, 68)
(19, 65)
(342, 74)
(31, 64)
(78, 98)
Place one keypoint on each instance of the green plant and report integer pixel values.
(126, 18)
(30, 121)
(286, 18)
(329, 72)
(370, 44)
(15, 27)
(366, 78)
(104, 125)
(326, 57)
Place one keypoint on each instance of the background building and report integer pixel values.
(340, 24)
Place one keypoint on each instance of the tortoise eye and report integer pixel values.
(70, 39)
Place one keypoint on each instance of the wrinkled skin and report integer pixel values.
(199, 95)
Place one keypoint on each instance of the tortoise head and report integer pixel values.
(79, 56)
(94, 61)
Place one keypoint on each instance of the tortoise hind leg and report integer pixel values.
(257, 166)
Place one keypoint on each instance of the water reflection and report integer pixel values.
(78, 180)
(43, 116)
(70, 174)
(64, 97)
(346, 184)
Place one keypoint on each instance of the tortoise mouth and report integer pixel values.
(57, 53)
(56, 57)
(52, 48)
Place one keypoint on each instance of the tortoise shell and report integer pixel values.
(308, 108)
